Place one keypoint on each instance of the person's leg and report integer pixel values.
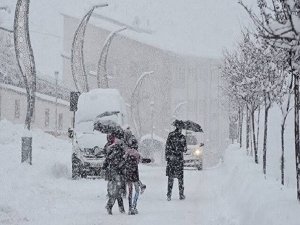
(136, 196)
(142, 186)
(123, 188)
(170, 187)
(112, 187)
(181, 188)
(129, 184)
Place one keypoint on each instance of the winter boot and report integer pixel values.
(135, 211)
(168, 197)
(122, 210)
(109, 210)
(143, 188)
(131, 211)
(182, 197)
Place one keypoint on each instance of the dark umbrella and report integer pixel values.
(108, 113)
(192, 126)
(178, 124)
(109, 127)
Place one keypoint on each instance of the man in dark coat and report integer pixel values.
(114, 166)
(175, 147)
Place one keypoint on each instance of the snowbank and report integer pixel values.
(24, 186)
(255, 199)
(235, 193)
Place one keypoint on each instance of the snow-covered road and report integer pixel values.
(235, 193)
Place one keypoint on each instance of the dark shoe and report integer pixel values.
(135, 211)
(182, 197)
(143, 188)
(168, 197)
(109, 210)
(131, 212)
(122, 210)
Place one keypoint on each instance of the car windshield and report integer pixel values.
(191, 139)
(91, 140)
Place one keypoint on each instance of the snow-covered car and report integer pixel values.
(152, 148)
(88, 144)
(194, 155)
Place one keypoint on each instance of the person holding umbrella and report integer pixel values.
(175, 147)
(114, 166)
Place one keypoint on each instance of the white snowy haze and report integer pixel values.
(193, 27)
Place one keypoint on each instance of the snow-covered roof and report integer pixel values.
(97, 101)
(38, 95)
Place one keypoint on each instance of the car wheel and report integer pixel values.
(199, 165)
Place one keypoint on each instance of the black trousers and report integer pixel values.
(114, 188)
(180, 186)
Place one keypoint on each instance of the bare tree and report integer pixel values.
(277, 24)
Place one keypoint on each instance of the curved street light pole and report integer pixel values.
(178, 106)
(133, 95)
(77, 56)
(102, 76)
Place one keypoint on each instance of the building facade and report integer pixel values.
(184, 87)
(52, 100)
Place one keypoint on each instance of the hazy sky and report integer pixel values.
(197, 27)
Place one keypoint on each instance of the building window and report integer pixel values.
(60, 121)
(47, 117)
(17, 108)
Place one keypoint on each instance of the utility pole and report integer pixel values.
(56, 84)
(152, 125)
(152, 119)
(133, 96)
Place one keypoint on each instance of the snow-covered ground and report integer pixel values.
(234, 193)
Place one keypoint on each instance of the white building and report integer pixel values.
(49, 115)
(183, 86)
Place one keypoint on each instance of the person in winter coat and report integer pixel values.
(175, 147)
(131, 142)
(106, 150)
(114, 166)
(132, 159)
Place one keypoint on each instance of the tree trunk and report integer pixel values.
(257, 128)
(282, 150)
(254, 139)
(296, 123)
(285, 115)
(247, 129)
(241, 127)
(267, 107)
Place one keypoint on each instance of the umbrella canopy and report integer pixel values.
(187, 125)
(192, 126)
(108, 113)
(109, 127)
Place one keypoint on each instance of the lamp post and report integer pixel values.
(178, 106)
(56, 84)
(152, 124)
(133, 95)
(152, 119)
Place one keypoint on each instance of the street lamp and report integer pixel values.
(178, 106)
(137, 85)
(152, 119)
(56, 98)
